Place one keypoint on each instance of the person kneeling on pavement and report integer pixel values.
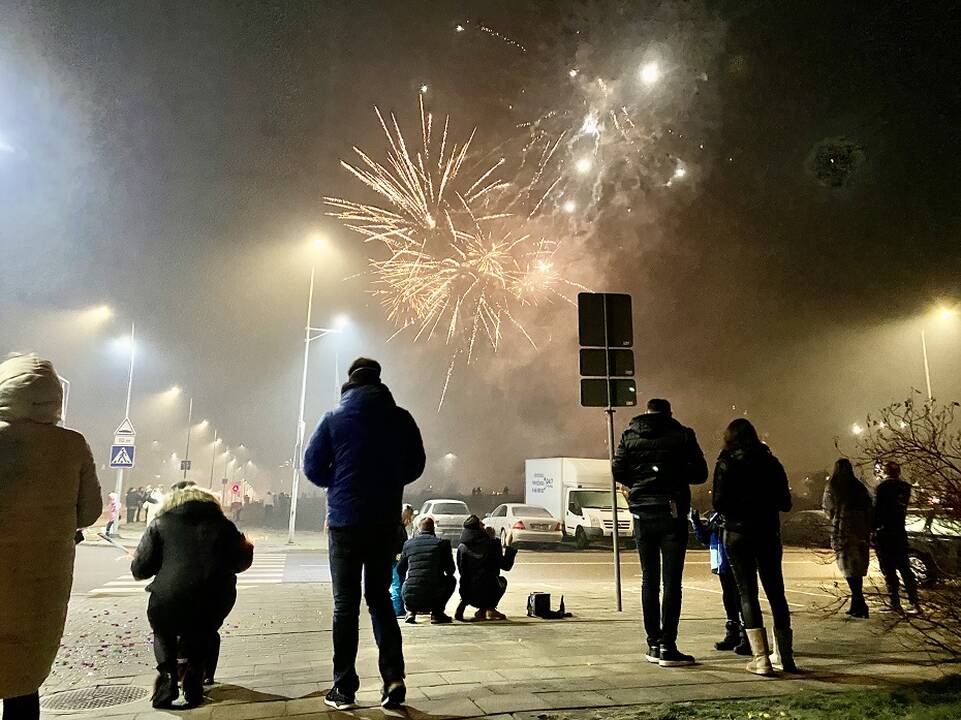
(194, 553)
(426, 569)
(480, 559)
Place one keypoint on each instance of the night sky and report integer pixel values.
(172, 159)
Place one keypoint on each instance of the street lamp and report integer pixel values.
(944, 313)
(310, 334)
(213, 458)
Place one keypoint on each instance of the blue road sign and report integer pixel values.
(122, 456)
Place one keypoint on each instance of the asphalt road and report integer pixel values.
(806, 573)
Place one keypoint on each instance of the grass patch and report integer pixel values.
(937, 700)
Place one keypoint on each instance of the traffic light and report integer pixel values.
(235, 488)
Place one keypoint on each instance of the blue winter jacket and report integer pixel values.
(364, 452)
(708, 532)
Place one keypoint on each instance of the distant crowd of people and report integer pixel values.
(364, 452)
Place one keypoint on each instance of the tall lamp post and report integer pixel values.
(945, 313)
(190, 417)
(66, 400)
(213, 458)
(310, 334)
(927, 368)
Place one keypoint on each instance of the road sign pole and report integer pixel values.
(616, 529)
(118, 488)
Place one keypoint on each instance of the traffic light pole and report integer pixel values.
(616, 529)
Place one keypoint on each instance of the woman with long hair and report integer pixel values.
(848, 505)
(750, 490)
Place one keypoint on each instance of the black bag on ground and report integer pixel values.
(539, 605)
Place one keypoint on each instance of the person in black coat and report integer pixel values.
(194, 553)
(750, 492)
(656, 462)
(132, 501)
(890, 536)
(480, 559)
(426, 569)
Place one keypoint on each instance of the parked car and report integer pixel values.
(520, 524)
(448, 516)
(807, 528)
(934, 546)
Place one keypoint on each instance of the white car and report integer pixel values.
(448, 516)
(519, 524)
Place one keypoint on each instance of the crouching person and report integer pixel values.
(194, 553)
(480, 559)
(426, 569)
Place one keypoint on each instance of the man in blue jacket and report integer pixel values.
(364, 452)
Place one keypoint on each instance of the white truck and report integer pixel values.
(577, 491)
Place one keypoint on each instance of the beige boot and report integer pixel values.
(760, 664)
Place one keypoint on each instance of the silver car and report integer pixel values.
(448, 517)
(519, 524)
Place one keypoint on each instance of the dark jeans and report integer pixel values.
(190, 633)
(443, 590)
(661, 540)
(368, 549)
(892, 553)
(131, 514)
(750, 555)
(25, 707)
(730, 596)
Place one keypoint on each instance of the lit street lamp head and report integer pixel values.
(97, 315)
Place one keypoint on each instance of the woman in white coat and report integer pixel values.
(45, 472)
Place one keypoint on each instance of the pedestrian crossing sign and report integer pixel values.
(122, 456)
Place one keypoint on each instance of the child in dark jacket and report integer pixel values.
(194, 553)
(708, 532)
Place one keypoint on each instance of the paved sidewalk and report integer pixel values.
(277, 647)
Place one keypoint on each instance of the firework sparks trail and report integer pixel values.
(461, 261)
(462, 27)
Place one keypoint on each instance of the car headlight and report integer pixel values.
(595, 522)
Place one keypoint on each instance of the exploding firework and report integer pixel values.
(462, 258)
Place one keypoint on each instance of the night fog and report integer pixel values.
(778, 193)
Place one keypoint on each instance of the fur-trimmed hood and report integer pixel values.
(30, 390)
(193, 494)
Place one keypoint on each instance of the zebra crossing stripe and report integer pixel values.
(266, 570)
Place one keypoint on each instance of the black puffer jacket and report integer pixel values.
(751, 489)
(192, 551)
(891, 508)
(424, 564)
(480, 559)
(658, 459)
